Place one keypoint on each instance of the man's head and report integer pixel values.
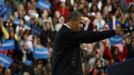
(74, 23)
(77, 22)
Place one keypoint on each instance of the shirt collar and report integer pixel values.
(67, 26)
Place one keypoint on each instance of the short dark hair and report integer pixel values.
(76, 16)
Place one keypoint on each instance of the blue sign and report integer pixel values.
(116, 40)
(40, 53)
(9, 44)
(43, 4)
(5, 61)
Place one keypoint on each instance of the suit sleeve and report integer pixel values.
(87, 36)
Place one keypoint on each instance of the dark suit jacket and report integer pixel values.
(124, 68)
(66, 59)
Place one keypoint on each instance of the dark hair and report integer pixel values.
(113, 48)
(76, 16)
(131, 8)
(97, 9)
(101, 71)
(98, 59)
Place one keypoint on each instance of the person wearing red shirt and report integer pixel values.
(64, 10)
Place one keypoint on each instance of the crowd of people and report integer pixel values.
(31, 26)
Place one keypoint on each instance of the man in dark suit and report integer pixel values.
(66, 58)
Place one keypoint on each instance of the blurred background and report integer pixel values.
(28, 29)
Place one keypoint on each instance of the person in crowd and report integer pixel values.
(98, 68)
(22, 68)
(37, 42)
(63, 9)
(40, 68)
(21, 27)
(47, 35)
(93, 10)
(56, 17)
(59, 24)
(1, 69)
(75, 7)
(21, 10)
(130, 46)
(45, 16)
(98, 4)
(109, 4)
(7, 72)
(3, 30)
(117, 55)
(36, 27)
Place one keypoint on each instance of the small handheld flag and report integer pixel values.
(9, 44)
(5, 61)
(40, 53)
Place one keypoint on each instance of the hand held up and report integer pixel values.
(119, 30)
